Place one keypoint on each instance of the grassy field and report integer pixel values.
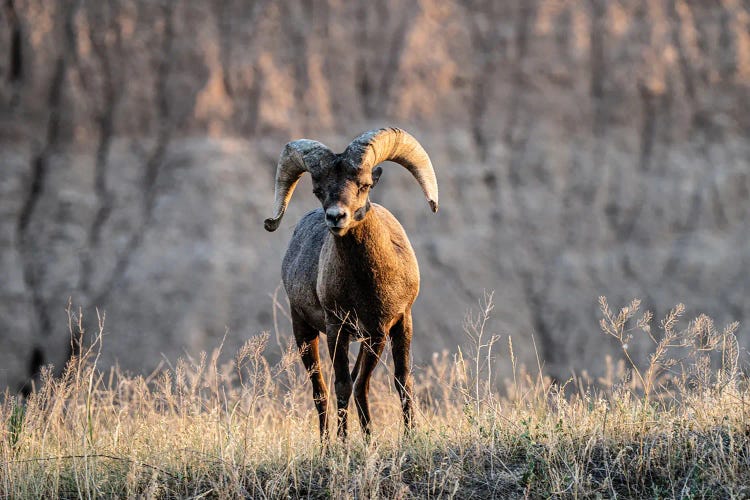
(676, 427)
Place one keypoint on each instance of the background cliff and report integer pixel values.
(582, 149)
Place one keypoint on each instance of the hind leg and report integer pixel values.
(401, 344)
(307, 343)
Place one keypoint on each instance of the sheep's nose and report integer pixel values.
(335, 214)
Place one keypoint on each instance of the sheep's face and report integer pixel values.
(344, 190)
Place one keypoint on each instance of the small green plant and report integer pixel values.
(15, 423)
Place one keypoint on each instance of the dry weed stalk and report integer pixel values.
(240, 426)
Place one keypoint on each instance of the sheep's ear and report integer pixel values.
(376, 175)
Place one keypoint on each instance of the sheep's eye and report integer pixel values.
(363, 188)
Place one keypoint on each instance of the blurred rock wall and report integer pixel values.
(582, 149)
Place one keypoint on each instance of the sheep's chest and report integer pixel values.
(372, 283)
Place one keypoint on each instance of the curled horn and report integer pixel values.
(297, 158)
(396, 145)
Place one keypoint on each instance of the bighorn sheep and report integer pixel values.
(350, 269)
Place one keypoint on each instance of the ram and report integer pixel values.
(350, 270)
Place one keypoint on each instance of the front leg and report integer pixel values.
(338, 334)
(369, 356)
(307, 342)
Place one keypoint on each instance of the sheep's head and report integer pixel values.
(344, 191)
(342, 182)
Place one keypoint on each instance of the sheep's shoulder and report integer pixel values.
(396, 234)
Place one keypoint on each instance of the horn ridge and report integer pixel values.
(395, 144)
(297, 157)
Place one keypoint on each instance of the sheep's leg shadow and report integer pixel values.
(401, 345)
(369, 355)
(358, 363)
(307, 343)
(338, 347)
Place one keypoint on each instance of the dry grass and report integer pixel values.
(676, 427)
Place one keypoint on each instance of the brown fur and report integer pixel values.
(365, 284)
(350, 270)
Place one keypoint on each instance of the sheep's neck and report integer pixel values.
(365, 243)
